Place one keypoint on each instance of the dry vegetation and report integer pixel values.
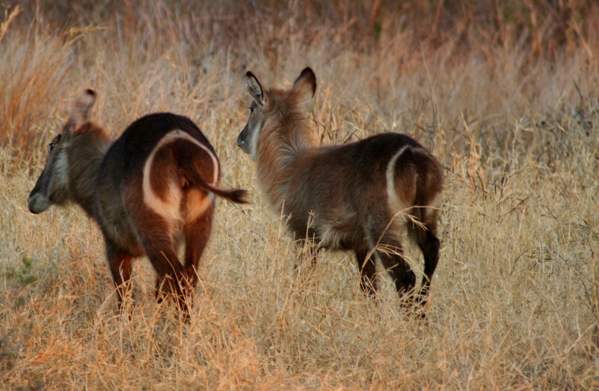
(506, 93)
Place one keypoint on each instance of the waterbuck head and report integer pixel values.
(52, 187)
(272, 104)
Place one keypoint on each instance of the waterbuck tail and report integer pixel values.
(187, 151)
(238, 196)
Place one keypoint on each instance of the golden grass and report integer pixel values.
(512, 111)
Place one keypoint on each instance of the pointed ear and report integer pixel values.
(255, 88)
(81, 107)
(305, 86)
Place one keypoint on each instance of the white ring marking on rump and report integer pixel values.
(394, 202)
(171, 209)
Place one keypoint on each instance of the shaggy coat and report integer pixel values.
(359, 196)
(149, 191)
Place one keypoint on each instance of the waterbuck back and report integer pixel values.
(149, 191)
(360, 196)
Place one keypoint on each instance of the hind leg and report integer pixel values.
(171, 276)
(386, 239)
(161, 250)
(429, 245)
(119, 262)
(390, 252)
(197, 234)
(391, 255)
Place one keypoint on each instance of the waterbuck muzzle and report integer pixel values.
(249, 136)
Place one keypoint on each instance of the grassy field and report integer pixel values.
(506, 94)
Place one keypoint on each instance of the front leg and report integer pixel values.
(306, 249)
(367, 268)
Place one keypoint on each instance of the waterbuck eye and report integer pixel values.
(251, 109)
(53, 143)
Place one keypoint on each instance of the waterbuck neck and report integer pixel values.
(85, 156)
(284, 138)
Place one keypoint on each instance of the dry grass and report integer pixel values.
(506, 96)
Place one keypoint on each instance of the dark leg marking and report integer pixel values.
(367, 267)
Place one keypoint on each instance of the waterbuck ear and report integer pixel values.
(305, 86)
(255, 88)
(81, 107)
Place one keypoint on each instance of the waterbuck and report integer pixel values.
(148, 191)
(360, 196)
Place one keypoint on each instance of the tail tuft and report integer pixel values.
(238, 196)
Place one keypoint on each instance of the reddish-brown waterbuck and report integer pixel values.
(360, 196)
(149, 191)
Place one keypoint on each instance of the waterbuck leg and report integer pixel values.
(312, 254)
(393, 261)
(306, 248)
(197, 234)
(119, 263)
(429, 244)
(171, 276)
(367, 267)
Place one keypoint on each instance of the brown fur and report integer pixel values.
(343, 190)
(138, 216)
